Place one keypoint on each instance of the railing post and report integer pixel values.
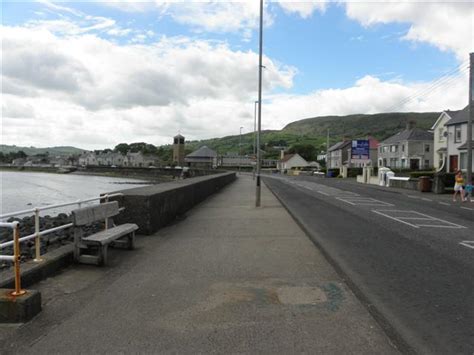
(38, 237)
(16, 253)
(106, 218)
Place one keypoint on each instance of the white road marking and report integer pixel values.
(468, 244)
(410, 196)
(363, 201)
(403, 215)
(322, 193)
(467, 208)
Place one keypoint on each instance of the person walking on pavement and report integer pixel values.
(458, 186)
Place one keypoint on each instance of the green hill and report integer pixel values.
(314, 131)
(381, 125)
(5, 149)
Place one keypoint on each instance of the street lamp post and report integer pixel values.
(258, 189)
(470, 120)
(255, 136)
(240, 148)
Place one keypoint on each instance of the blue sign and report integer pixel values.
(360, 149)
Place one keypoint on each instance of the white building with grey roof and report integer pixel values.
(456, 136)
(411, 148)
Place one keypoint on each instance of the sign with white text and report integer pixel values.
(360, 149)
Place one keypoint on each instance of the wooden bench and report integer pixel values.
(122, 235)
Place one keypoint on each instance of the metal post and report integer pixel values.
(327, 154)
(470, 120)
(254, 137)
(106, 218)
(16, 253)
(38, 237)
(258, 192)
(240, 148)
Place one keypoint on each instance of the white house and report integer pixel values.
(337, 155)
(408, 149)
(457, 140)
(88, 158)
(290, 161)
(140, 160)
(440, 139)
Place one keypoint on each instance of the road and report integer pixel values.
(408, 256)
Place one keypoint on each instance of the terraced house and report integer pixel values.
(411, 148)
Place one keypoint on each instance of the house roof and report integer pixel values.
(203, 152)
(340, 145)
(458, 117)
(447, 113)
(178, 136)
(287, 157)
(413, 134)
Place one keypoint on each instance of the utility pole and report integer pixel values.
(240, 148)
(327, 154)
(258, 192)
(255, 137)
(470, 120)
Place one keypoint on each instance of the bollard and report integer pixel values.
(37, 238)
(16, 253)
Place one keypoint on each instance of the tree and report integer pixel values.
(307, 151)
(122, 148)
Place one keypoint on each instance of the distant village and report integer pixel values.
(441, 148)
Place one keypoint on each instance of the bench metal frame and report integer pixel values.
(118, 236)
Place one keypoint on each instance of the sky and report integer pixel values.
(95, 74)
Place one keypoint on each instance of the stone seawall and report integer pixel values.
(153, 207)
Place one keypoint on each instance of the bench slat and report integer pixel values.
(88, 215)
(110, 234)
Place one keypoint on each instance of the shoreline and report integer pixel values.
(116, 173)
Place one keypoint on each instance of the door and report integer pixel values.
(453, 163)
(414, 164)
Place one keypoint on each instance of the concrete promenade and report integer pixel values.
(228, 278)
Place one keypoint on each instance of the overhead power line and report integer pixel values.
(444, 81)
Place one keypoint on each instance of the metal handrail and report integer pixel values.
(39, 209)
(38, 234)
(15, 258)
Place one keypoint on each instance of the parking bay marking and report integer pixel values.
(468, 244)
(363, 201)
(413, 216)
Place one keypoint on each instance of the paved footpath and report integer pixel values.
(228, 278)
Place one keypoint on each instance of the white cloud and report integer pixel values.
(448, 25)
(69, 86)
(220, 16)
(369, 95)
(303, 8)
(131, 91)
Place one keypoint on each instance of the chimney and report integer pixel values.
(411, 124)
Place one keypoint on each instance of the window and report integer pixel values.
(385, 149)
(393, 148)
(441, 134)
(463, 160)
(427, 164)
(457, 134)
(427, 148)
(404, 163)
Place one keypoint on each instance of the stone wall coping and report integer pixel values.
(169, 186)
